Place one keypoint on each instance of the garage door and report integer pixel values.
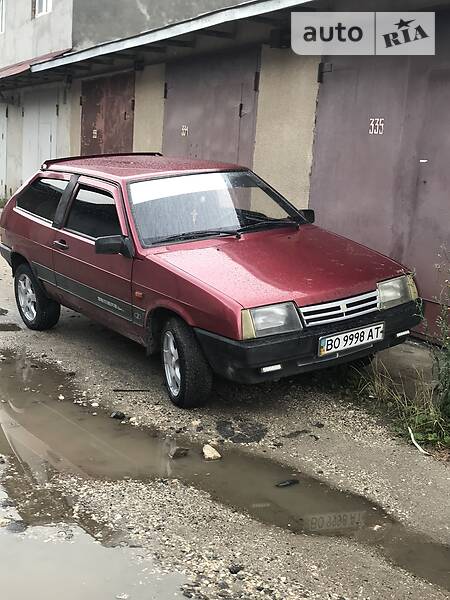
(210, 107)
(107, 115)
(381, 154)
(39, 129)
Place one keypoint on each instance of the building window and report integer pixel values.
(42, 7)
(2, 15)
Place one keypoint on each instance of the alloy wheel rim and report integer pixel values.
(171, 363)
(27, 297)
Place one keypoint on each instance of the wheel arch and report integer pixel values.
(154, 324)
(18, 259)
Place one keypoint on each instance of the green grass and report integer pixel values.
(3, 201)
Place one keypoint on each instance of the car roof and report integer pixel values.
(124, 167)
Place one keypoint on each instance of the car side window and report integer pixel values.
(93, 213)
(41, 198)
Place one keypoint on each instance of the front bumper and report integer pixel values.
(242, 361)
(6, 253)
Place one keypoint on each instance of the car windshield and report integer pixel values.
(199, 205)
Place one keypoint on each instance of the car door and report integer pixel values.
(32, 218)
(97, 285)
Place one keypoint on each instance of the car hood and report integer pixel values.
(308, 265)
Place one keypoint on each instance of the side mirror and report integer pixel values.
(114, 244)
(309, 215)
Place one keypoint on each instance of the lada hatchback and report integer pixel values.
(203, 262)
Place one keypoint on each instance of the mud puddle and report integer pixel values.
(45, 427)
(44, 535)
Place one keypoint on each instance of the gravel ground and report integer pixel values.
(306, 422)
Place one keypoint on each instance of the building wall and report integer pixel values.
(285, 122)
(149, 109)
(26, 37)
(75, 118)
(14, 141)
(105, 20)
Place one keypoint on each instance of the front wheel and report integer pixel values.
(37, 310)
(188, 376)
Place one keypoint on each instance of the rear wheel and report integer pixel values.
(37, 310)
(188, 376)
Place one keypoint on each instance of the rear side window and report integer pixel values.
(93, 213)
(42, 197)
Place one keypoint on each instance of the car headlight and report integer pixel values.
(270, 320)
(397, 291)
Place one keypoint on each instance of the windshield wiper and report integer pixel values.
(192, 235)
(268, 223)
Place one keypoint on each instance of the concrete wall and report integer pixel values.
(14, 145)
(75, 119)
(285, 122)
(26, 38)
(97, 21)
(149, 109)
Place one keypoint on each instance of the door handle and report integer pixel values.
(61, 244)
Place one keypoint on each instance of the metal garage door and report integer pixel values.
(210, 109)
(387, 186)
(107, 116)
(39, 129)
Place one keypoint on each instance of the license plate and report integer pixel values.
(355, 338)
(334, 521)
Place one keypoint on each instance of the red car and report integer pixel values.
(204, 262)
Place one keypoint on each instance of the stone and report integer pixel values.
(117, 414)
(287, 483)
(235, 569)
(210, 453)
(178, 452)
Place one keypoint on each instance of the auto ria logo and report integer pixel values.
(363, 33)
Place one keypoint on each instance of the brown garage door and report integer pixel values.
(389, 189)
(108, 114)
(211, 107)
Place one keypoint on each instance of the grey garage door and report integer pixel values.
(211, 107)
(386, 183)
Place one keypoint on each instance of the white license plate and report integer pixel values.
(331, 344)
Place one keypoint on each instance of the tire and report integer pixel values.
(37, 310)
(187, 375)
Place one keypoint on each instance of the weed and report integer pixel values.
(423, 406)
(413, 403)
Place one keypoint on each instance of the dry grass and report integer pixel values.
(416, 404)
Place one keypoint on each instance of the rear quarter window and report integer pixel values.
(41, 198)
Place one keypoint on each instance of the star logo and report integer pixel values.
(403, 23)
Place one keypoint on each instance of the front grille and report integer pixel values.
(340, 310)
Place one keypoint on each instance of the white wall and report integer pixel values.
(285, 122)
(3, 150)
(149, 109)
(14, 146)
(26, 38)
